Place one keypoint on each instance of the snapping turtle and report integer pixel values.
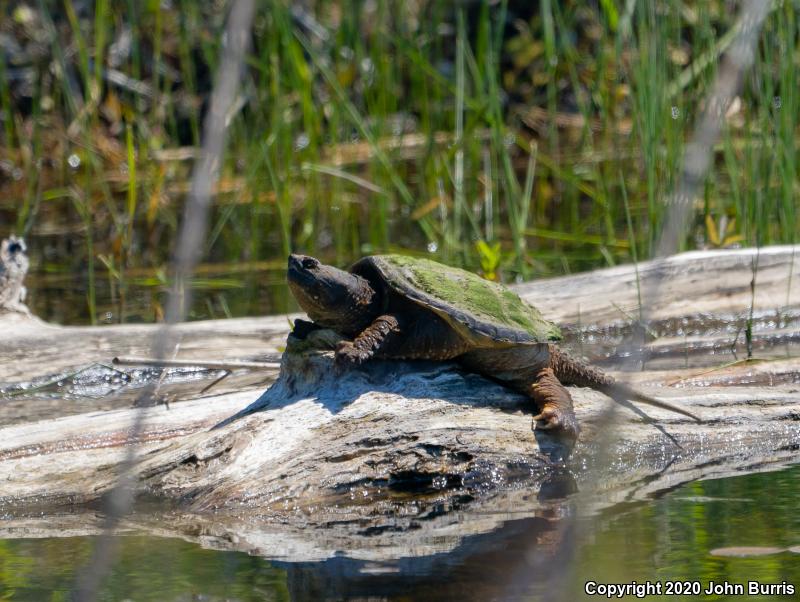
(398, 307)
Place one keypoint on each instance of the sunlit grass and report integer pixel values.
(448, 130)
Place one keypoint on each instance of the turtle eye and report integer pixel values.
(310, 263)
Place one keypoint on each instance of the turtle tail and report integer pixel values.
(575, 372)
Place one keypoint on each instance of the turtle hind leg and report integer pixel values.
(527, 369)
(556, 413)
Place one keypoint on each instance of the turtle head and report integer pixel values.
(331, 297)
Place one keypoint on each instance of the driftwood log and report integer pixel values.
(408, 459)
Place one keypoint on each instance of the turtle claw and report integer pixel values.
(348, 356)
(546, 422)
(302, 328)
(549, 418)
(561, 423)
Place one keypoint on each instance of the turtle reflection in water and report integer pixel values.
(399, 307)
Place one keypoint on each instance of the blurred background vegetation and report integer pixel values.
(518, 139)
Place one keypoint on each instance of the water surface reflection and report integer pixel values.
(543, 557)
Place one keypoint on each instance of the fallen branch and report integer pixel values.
(229, 365)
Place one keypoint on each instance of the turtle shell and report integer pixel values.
(480, 310)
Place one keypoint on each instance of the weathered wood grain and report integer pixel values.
(699, 284)
(402, 459)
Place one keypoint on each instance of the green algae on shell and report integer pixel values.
(475, 307)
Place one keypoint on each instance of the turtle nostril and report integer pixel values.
(310, 263)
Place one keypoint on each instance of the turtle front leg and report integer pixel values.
(555, 406)
(366, 344)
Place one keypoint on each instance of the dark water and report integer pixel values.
(667, 539)
(224, 291)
